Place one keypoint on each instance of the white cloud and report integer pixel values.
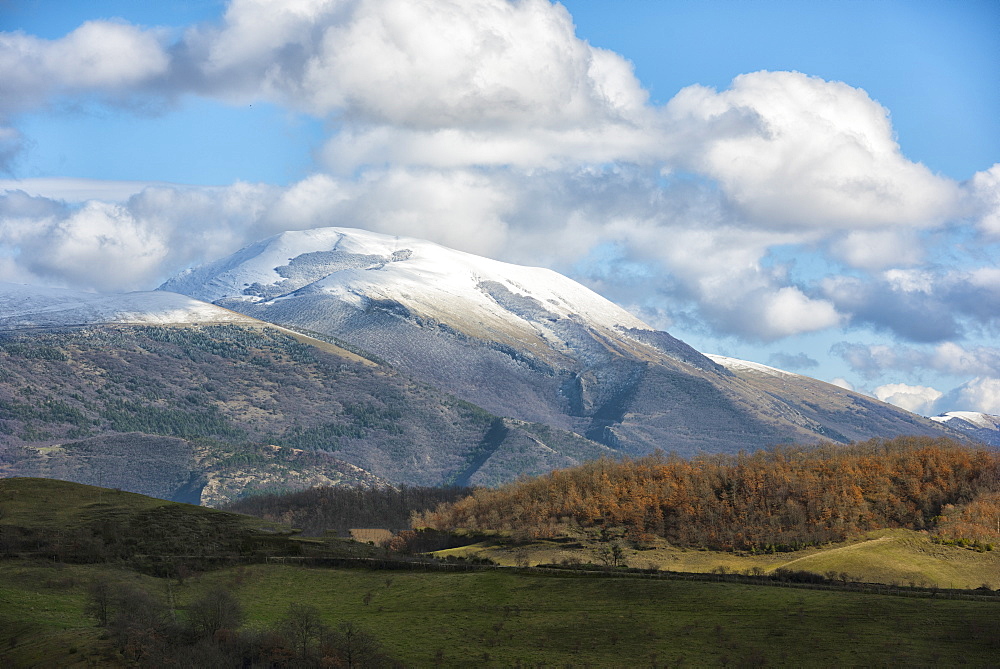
(878, 249)
(99, 55)
(929, 304)
(431, 82)
(469, 64)
(918, 399)
(460, 209)
(788, 311)
(910, 281)
(255, 31)
(842, 383)
(101, 246)
(984, 188)
(980, 394)
(803, 151)
(950, 359)
(129, 245)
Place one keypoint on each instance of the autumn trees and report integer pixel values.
(778, 499)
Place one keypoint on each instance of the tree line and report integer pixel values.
(210, 632)
(321, 509)
(778, 499)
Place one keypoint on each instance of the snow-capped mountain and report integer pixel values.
(982, 427)
(530, 343)
(23, 306)
(359, 267)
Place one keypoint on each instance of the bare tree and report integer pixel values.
(612, 554)
(218, 609)
(352, 646)
(303, 624)
(100, 596)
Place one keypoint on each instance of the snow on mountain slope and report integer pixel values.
(23, 306)
(980, 420)
(980, 426)
(736, 365)
(520, 341)
(360, 267)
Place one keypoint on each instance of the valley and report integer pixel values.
(78, 608)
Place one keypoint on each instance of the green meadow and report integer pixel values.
(504, 618)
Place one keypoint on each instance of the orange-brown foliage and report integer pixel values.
(780, 498)
(979, 520)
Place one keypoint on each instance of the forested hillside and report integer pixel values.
(205, 413)
(780, 499)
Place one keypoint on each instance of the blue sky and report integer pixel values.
(809, 185)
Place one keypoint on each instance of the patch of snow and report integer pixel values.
(23, 306)
(736, 365)
(980, 420)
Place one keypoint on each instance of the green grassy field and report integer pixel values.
(508, 619)
(892, 556)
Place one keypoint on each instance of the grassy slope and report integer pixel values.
(619, 622)
(62, 505)
(501, 619)
(885, 556)
(904, 557)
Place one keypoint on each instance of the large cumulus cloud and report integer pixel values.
(806, 151)
(429, 82)
(98, 56)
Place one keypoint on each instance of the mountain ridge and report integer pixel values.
(980, 426)
(530, 344)
(25, 306)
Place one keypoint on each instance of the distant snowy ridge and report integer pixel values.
(982, 427)
(980, 420)
(23, 306)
